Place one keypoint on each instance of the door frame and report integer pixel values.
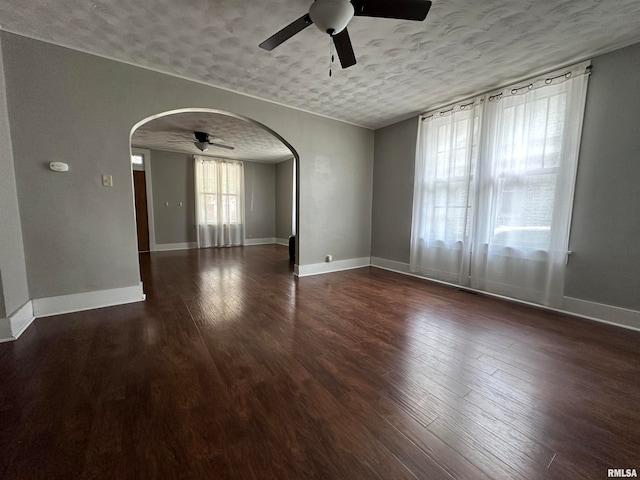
(146, 153)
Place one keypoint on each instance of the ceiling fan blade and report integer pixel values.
(286, 33)
(228, 147)
(347, 56)
(402, 9)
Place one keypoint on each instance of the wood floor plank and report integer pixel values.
(450, 407)
(236, 369)
(472, 450)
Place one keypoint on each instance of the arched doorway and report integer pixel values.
(232, 137)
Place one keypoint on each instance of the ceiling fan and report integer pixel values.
(333, 16)
(202, 142)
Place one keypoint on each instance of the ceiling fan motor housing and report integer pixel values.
(201, 136)
(331, 16)
(202, 140)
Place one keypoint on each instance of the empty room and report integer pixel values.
(333, 239)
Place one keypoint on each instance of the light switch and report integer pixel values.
(107, 180)
(166, 204)
(179, 204)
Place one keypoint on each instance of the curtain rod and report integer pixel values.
(529, 86)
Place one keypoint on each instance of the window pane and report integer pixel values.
(233, 212)
(210, 184)
(555, 130)
(137, 159)
(524, 211)
(451, 146)
(210, 209)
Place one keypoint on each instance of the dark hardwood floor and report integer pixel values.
(235, 369)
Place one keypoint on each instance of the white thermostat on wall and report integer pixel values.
(59, 166)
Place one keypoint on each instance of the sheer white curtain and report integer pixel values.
(219, 187)
(443, 192)
(526, 184)
(494, 188)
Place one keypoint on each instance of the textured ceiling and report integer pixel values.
(175, 133)
(463, 47)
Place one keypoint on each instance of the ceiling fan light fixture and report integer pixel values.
(331, 16)
(202, 146)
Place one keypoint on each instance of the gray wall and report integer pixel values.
(14, 291)
(284, 196)
(260, 200)
(605, 230)
(84, 108)
(172, 182)
(393, 172)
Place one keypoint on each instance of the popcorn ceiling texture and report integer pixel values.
(463, 47)
(175, 133)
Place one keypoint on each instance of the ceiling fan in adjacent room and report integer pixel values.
(333, 16)
(201, 141)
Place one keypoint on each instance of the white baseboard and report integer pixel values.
(403, 268)
(621, 317)
(259, 241)
(45, 307)
(165, 247)
(599, 312)
(390, 265)
(266, 241)
(329, 267)
(11, 328)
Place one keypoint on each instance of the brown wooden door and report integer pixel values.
(142, 219)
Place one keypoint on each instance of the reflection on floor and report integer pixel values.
(233, 368)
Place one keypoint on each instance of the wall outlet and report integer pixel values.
(328, 258)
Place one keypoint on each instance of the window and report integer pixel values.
(529, 144)
(137, 159)
(494, 188)
(443, 201)
(219, 201)
(219, 191)
(454, 158)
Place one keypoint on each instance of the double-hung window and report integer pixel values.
(519, 147)
(219, 201)
(446, 165)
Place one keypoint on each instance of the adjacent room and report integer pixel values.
(235, 189)
(342, 239)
